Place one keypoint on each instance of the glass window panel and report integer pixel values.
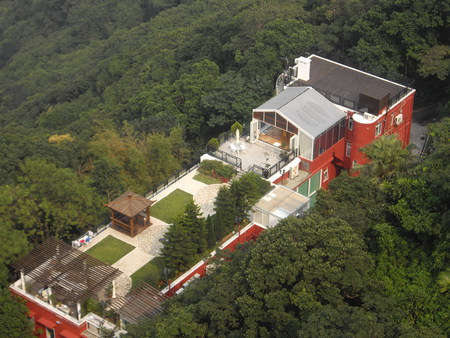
(281, 122)
(258, 115)
(269, 117)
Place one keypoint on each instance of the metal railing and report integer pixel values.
(270, 171)
(228, 158)
(172, 179)
(393, 100)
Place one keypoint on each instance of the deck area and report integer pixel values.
(260, 153)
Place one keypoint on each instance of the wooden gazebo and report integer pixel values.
(130, 212)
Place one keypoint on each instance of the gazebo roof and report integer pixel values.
(129, 204)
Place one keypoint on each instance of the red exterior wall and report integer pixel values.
(364, 133)
(41, 312)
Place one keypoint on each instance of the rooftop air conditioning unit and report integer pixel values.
(398, 119)
(368, 116)
(293, 172)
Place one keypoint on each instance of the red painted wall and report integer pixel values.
(53, 317)
(364, 134)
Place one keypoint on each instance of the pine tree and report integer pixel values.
(178, 251)
(225, 205)
(211, 237)
(218, 226)
(195, 226)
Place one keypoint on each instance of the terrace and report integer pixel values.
(259, 153)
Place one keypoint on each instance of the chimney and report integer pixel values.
(303, 66)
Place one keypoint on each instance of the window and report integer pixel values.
(350, 123)
(325, 175)
(50, 333)
(378, 129)
(348, 149)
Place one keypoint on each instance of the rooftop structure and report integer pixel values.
(130, 212)
(279, 203)
(142, 302)
(302, 108)
(343, 85)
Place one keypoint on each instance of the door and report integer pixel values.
(293, 143)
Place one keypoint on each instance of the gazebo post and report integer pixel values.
(113, 289)
(148, 215)
(132, 225)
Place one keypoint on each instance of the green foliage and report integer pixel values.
(184, 240)
(213, 144)
(211, 232)
(13, 316)
(216, 168)
(357, 200)
(152, 273)
(48, 201)
(387, 157)
(233, 203)
(237, 126)
(171, 206)
(110, 249)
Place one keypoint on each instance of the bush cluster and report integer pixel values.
(217, 169)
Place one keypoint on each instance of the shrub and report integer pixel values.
(236, 125)
(216, 169)
(213, 144)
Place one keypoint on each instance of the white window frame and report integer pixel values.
(348, 149)
(350, 123)
(325, 175)
(378, 129)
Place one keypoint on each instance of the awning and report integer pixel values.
(47, 323)
(67, 334)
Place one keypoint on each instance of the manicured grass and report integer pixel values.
(207, 179)
(171, 206)
(110, 250)
(152, 273)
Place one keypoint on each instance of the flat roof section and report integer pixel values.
(306, 108)
(347, 82)
(281, 202)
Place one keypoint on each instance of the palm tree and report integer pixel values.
(387, 157)
(444, 280)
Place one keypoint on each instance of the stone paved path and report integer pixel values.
(205, 198)
(133, 261)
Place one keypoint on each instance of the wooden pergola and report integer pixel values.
(131, 212)
(142, 302)
(71, 275)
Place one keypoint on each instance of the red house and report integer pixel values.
(325, 112)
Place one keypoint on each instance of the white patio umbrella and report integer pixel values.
(237, 135)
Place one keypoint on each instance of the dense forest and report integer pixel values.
(101, 96)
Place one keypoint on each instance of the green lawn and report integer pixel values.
(207, 179)
(110, 250)
(152, 273)
(171, 206)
